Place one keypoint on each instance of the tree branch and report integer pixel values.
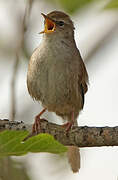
(79, 136)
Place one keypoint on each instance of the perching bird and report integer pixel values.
(57, 75)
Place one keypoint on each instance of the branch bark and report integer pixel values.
(82, 136)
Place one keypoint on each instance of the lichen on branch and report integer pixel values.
(82, 136)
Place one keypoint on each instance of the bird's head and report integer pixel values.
(58, 23)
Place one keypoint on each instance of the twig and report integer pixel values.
(99, 41)
(13, 85)
(24, 27)
(79, 136)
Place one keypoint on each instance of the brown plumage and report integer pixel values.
(56, 74)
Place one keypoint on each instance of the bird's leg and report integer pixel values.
(69, 124)
(37, 126)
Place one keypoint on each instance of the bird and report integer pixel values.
(57, 76)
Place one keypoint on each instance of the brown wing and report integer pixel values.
(83, 79)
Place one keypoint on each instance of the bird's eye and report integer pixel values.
(61, 23)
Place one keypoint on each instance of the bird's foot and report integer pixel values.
(68, 126)
(37, 123)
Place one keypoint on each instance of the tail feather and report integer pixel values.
(74, 158)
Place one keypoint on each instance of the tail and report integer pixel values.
(74, 155)
(74, 158)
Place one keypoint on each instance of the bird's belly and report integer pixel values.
(56, 85)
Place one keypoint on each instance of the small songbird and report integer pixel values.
(57, 75)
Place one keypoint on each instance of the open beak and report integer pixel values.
(49, 25)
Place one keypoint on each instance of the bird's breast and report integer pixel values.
(53, 80)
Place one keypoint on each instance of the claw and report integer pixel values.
(36, 126)
(37, 123)
(68, 126)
